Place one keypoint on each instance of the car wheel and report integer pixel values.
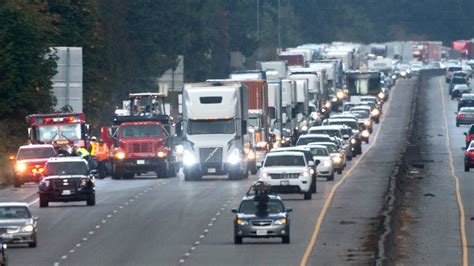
(359, 149)
(313, 185)
(129, 176)
(349, 158)
(331, 177)
(192, 175)
(33, 244)
(172, 171)
(457, 124)
(43, 202)
(308, 195)
(339, 171)
(237, 240)
(91, 200)
(16, 182)
(285, 239)
(235, 176)
(367, 141)
(116, 173)
(466, 167)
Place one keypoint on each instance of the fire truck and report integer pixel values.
(62, 130)
(140, 139)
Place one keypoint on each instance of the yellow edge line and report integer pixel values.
(462, 219)
(328, 201)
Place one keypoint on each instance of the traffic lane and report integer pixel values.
(218, 248)
(62, 225)
(457, 143)
(163, 226)
(429, 230)
(26, 193)
(348, 234)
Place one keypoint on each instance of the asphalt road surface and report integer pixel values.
(149, 221)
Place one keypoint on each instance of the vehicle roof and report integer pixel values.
(282, 153)
(302, 148)
(315, 136)
(467, 96)
(318, 146)
(321, 143)
(271, 196)
(466, 108)
(343, 116)
(369, 96)
(342, 119)
(328, 127)
(66, 159)
(13, 203)
(36, 146)
(363, 107)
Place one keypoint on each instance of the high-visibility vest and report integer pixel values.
(101, 152)
(83, 152)
(93, 147)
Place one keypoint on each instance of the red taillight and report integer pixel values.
(460, 115)
(470, 154)
(468, 138)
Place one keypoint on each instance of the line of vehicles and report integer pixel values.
(289, 122)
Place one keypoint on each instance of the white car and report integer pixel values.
(338, 156)
(326, 166)
(288, 172)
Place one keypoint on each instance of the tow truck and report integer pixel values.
(140, 139)
(62, 130)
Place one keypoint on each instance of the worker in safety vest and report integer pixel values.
(93, 144)
(81, 151)
(101, 152)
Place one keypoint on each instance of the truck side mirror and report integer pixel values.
(179, 129)
(30, 131)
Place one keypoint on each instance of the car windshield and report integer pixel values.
(351, 124)
(216, 126)
(458, 80)
(316, 151)
(253, 207)
(331, 148)
(361, 113)
(284, 160)
(461, 74)
(66, 168)
(36, 153)
(140, 131)
(14, 212)
(330, 132)
(347, 107)
(59, 132)
(461, 87)
(304, 141)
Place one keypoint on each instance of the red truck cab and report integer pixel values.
(29, 163)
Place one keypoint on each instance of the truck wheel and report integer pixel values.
(116, 172)
(43, 201)
(173, 171)
(359, 149)
(237, 240)
(339, 171)
(190, 175)
(235, 176)
(16, 182)
(349, 158)
(128, 176)
(91, 200)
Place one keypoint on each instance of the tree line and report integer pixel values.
(128, 44)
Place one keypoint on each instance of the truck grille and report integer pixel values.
(284, 176)
(146, 147)
(66, 183)
(210, 155)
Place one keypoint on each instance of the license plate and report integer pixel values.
(211, 170)
(66, 192)
(140, 161)
(261, 232)
(284, 182)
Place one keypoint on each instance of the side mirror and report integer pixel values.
(463, 148)
(36, 218)
(289, 210)
(465, 133)
(346, 137)
(311, 163)
(455, 113)
(234, 210)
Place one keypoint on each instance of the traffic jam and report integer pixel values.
(288, 125)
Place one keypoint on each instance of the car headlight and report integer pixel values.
(375, 112)
(179, 149)
(119, 155)
(84, 181)
(337, 159)
(327, 163)
(20, 167)
(162, 154)
(251, 155)
(367, 122)
(403, 73)
(340, 95)
(234, 157)
(365, 134)
(394, 77)
(327, 105)
(262, 144)
(306, 173)
(280, 221)
(27, 228)
(353, 141)
(381, 95)
(264, 175)
(46, 182)
(242, 222)
(188, 158)
(304, 128)
(4, 246)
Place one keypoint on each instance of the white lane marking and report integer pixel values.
(181, 261)
(33, 202)
(71, 251)
(78, 244)
(91, 232)
(64, 257)
(84, 239)
(56, 264)
(97, 226)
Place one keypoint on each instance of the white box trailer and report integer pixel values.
(67, 83)
(280, 67)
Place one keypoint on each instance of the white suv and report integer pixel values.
(288, 172)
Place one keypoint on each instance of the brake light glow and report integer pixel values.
(468, 138)
(460, 115)
(470, 153)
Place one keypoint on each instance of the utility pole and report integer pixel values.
(279, 26)
(258, 30)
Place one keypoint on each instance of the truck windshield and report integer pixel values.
(56, 132)
(67, 168)
(218, 126)
(140, 131)
(35, 153)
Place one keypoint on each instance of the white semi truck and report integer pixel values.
(215, 138)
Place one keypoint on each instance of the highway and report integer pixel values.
(149, 221)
